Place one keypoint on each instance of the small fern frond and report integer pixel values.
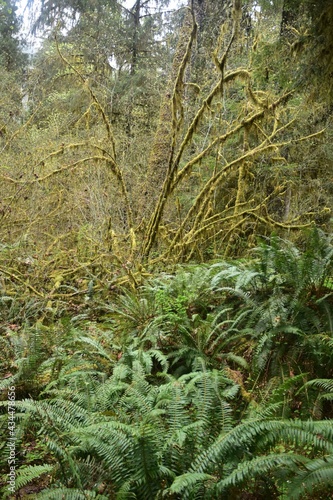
(26, 475)
(185, 483)
(70, 494)
(325, 384)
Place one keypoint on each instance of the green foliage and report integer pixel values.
(284, 304)
(11, 56)
(140, 429)
(161, 413)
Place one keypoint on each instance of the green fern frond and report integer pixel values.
(29, 473)
(185, 483)
(265, 434)
(237, 360)
(323, 383)
(98, 348)
(70, 494)
(260, 466)
(315, 477)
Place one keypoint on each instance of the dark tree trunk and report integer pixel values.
(288, 19)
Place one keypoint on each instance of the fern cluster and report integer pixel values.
(202, 384)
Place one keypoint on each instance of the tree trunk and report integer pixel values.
(288, 18)
(136, 26)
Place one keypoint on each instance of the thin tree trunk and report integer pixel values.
(136, 19)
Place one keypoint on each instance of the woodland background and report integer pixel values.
(165, 252)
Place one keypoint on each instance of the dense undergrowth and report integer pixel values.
(214, 381)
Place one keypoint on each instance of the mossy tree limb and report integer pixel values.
(166, 136)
